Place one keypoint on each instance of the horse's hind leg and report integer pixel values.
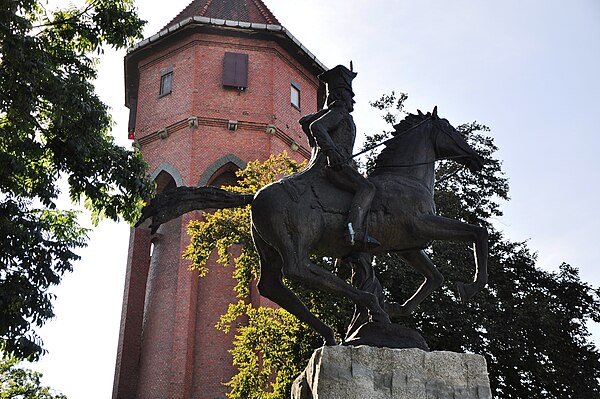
(270, 285)
(297, 266)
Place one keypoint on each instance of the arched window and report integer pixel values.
(222, 172)
(225, 176)
(164, 182)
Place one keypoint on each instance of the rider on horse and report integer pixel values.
(333, 131)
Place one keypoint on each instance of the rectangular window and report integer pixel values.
(166, 82)
(295, 95)
(235, 70)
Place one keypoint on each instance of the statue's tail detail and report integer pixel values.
(174, 203)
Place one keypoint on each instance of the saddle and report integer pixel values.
(312, 186)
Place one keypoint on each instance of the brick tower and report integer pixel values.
(222, 84)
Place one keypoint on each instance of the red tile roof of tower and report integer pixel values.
(253, 11)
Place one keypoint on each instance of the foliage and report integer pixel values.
(528, 322)
(54, 129)
(392, 105)
(224, 228)
(262, 349)
(17, 382)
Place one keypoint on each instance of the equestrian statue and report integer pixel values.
(330, 209)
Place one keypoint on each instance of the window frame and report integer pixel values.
(163, 76)
(295, 89)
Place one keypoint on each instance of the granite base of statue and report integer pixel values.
(365, 372)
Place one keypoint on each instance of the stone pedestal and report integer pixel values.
(364, 372)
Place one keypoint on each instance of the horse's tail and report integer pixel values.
(174, 203)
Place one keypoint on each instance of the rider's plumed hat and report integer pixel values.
(339, 77)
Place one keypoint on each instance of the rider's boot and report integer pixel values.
(356, 233)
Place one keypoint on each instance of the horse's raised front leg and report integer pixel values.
(441, 228)
(421, 263)
(271, 286)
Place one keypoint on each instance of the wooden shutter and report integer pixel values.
(235, 70)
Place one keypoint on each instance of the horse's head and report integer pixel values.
(421, 139)
(450, 144)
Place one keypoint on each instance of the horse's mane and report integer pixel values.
(407, 124)
(410, 121)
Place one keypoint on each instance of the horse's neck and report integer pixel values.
(415, 161)
(425, 174)
(417, 154)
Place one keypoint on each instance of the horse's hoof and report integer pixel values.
(462, 294)
(466, 291)
(329, 338)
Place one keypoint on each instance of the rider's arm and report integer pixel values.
(320, 129)
(305, 122)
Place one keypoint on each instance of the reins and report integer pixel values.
(410, 165)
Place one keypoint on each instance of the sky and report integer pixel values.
(527, 69)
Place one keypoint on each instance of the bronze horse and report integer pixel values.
(304, 213)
